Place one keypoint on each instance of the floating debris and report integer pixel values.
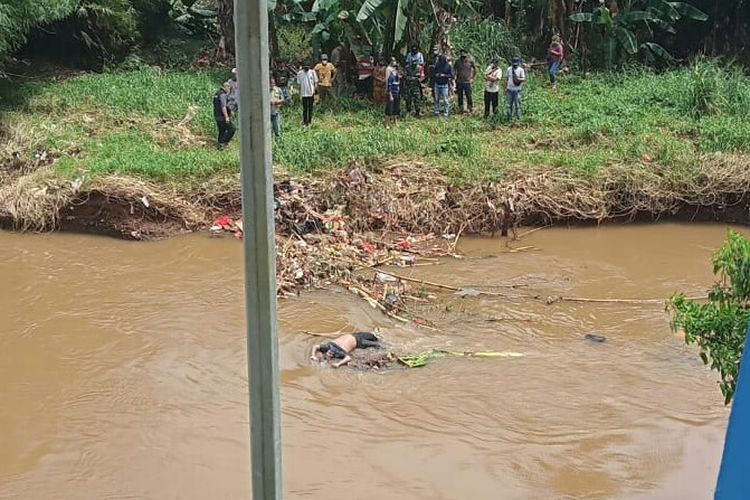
(423, 358)
(595, 338)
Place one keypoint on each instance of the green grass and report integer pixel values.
(125, 123)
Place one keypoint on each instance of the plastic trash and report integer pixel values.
(386, 278)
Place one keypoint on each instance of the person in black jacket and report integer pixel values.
(223, 115)
(443, 78)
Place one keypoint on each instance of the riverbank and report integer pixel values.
(130, 154)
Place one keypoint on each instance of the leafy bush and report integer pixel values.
(95, 33)
(18, 17)
(485, 39)
(719, 327)
(152, 16)
(295, 42)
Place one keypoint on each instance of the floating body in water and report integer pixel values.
(342, 347)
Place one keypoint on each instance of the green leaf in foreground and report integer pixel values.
(719, 327)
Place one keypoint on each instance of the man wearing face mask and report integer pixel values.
(415, 56)
(443, 78)
(326, 72)
(516, 79)
(492, 76)
(466, 71)
(307, 80)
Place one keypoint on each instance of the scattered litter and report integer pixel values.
(407, 260)
(468, 292)
(386, 278)
(76, 183)
(145, 202)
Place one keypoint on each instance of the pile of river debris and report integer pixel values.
(320, 246)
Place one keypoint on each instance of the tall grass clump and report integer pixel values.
(485, 39)
(714, 89)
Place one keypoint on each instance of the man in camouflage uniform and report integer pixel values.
(413, 89)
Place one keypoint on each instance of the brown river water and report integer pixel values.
(123, 376)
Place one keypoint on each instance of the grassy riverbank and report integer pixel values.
(638, 130)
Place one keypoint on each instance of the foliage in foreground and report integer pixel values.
(719, 327)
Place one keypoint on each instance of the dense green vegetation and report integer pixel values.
(719, 327)
(127, 122)
(596, 33)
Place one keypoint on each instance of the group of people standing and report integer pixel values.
(226, 106)
(386, 84)
(445, 79)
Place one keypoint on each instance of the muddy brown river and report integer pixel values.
(123, 376)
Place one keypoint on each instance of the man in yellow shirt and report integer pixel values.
(326, 75)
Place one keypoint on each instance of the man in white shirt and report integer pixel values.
(516, 79)
(308, 81)
(492, 76)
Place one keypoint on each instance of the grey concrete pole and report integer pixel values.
(251, 34)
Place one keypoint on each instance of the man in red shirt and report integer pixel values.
(365, 66)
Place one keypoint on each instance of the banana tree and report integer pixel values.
(279, 11)
(388, 18)
(622, 22)
(402, 21)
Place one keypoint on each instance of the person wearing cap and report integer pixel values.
(326, 72)
(514, 88)
(466, 72)
(233, 100)
(223, 115)
(342, 347)
(307, 79)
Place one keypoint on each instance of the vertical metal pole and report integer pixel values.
(251, 34)
(733, 482)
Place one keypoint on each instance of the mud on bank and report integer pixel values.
(408, 197)
(327, 224)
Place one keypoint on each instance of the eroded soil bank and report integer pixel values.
(329, 224)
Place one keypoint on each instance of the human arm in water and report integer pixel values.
(343, 362)
(315, 351)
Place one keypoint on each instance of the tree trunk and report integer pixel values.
(508, 12)
(390, 32)
(225, 14)
(273, 38)
(441, 33)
